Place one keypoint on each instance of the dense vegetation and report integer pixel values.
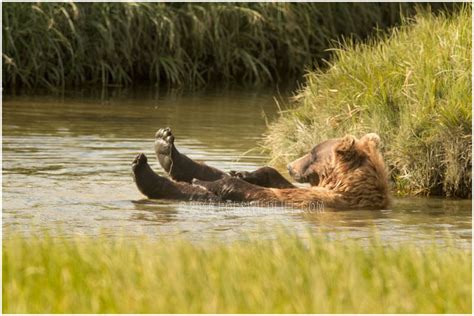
(286, 275)
(413, 87)
(55, 45)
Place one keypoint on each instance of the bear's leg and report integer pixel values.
(265, 177)
(180, 167)
(155, 187)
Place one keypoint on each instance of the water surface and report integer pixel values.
(66, 170)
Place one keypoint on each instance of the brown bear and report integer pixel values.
(344, 173)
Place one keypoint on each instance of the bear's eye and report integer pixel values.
(323, 150)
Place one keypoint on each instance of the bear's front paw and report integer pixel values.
(238, 174)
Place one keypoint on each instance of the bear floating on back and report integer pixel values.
(344, 173)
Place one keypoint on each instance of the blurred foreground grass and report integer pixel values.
(285, 275)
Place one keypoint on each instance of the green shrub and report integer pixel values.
(413, 87)
(55, 45)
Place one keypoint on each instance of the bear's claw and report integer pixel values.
(139, 160)
(238, 174)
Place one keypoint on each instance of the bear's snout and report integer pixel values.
(290, 170)
(297, 169)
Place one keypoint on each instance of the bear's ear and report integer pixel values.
(346, 146)
(371, 138)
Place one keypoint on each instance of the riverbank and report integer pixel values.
(285, 275)
(58, 45)
(413, 87)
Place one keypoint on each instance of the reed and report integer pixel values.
(57, 45)
(412, 86)
(284, 275)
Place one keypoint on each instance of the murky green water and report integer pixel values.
(66, 170)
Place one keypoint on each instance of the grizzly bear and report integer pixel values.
(344, 173)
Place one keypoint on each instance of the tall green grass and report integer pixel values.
(54, 45)
(413, 87)
(285, 275)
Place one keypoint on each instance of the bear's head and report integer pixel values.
(343, 164)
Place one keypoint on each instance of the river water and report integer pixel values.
(66, 171)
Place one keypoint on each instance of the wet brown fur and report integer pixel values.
(351, 174)
(354, 177)
(344, 173)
